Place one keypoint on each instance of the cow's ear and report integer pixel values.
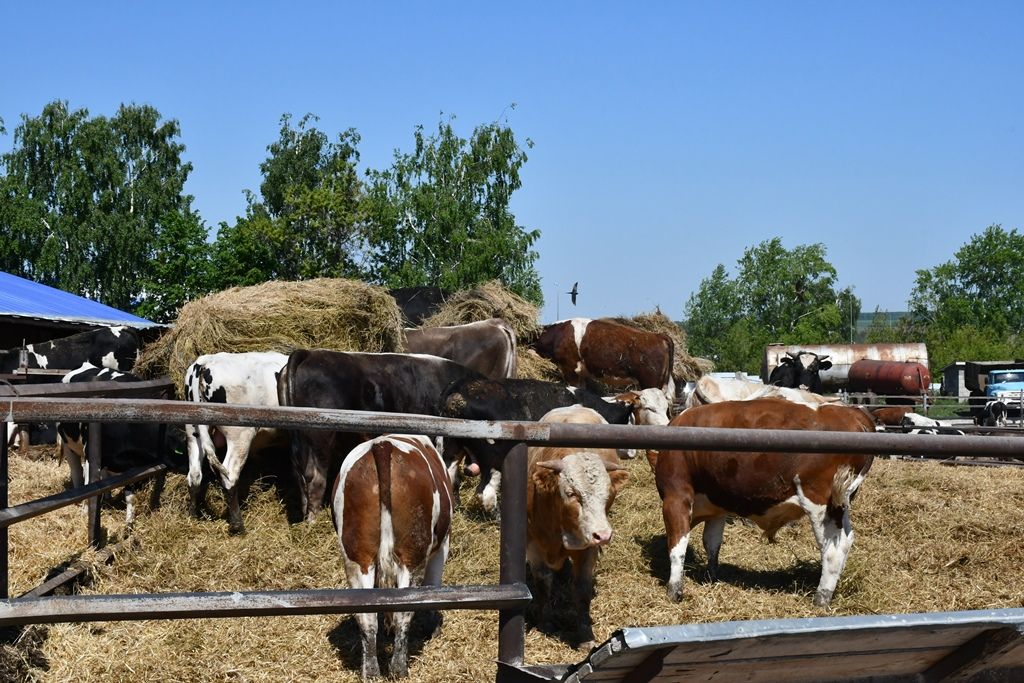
(619, 479)
(545, 480)
(824, 365)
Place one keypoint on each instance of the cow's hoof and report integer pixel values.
(587, 645)
(236, 529)
(675, 593)
(822, 598)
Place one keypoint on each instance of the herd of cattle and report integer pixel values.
(393, 496)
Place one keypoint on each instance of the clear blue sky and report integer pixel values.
(668, 136)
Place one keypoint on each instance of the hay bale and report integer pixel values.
(687, 368)
(493, 300)
(327, 313)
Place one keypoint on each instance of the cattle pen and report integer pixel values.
(509, 597)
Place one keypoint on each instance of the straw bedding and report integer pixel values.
(328, 313)
(918, 548)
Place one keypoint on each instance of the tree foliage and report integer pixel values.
(440, 215)
(179, 270)
(778, 295)
(86, 198)
(972, 306)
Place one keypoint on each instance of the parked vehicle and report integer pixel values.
(1006, 385)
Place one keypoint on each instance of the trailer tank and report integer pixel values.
(889, 377)
(843, 356)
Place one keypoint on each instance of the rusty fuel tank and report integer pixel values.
(843, 356)
(889, 377)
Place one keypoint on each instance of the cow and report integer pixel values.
(890, 416)
(109, 347)
(992, 415)
(800, 371)
(512, 399)
(385, 382)
(770, 489)
(122, 446)
(487, 346)
(234, 378)
(418, 303)
(711, 389)
(617, 355)
(915, 423)
(569, 492)
(392, 509)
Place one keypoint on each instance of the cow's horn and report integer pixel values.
(556, 465)
(820, 358)
(790, 354)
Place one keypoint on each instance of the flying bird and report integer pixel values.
(572, 294)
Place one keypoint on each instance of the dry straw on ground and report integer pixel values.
(328, 313)
(919, 547)
(687, 368)
(492, 300)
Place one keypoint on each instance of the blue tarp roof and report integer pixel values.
(24, 298)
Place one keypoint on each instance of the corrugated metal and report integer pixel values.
(24, 298)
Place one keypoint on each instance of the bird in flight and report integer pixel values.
(572, 293)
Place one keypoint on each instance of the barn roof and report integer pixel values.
(23, 298)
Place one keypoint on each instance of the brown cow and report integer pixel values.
(568, 496)
(392, 512)
(891, 416)
(487, 346)
(616, 354)
(771, 489)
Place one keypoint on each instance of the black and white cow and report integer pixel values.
(800, 371)
(385, 382)
(915, 423)
(107, 347)
(236, 378)
(122, 446)
(516, 399)
(992, 415)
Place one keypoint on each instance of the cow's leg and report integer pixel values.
(583, 564)
(367, 620)
(400, 622)
(129, 507)
(74, 455)
(195, 468)
(714, 529)
(239, 440)
(543, 578)
(834, 534)
(487, 490)
(676, 508)
(158, 488)
(432, 577)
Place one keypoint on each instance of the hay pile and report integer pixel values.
(687, 368)
(492, 300)
(910, 554)
(328, 313)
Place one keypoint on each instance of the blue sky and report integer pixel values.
(668, 136)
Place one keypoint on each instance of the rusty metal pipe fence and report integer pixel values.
(510, 597)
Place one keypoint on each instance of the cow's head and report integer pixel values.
(650, 406)
(800, 371)
(587, 485)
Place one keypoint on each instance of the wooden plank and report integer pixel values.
(980, 654)
(870, 641)
(80, 608)
(75, 572)
(152, 388)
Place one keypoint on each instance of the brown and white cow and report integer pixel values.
(392, 512)
(487, 346)
(568, 496)
(771, 489)
(710, 389)
(617, 355)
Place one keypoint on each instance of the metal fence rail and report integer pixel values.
(511, 596)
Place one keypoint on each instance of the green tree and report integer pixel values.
(440, 215)
(180, 267)
(778, 295)
(306, 221)
(85, 198)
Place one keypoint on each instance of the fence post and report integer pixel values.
(4, 471)
(93, 451)
(512, 622)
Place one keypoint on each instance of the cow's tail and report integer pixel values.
(284, 378)
(511, 368)
(670, 381)
(382, 452)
